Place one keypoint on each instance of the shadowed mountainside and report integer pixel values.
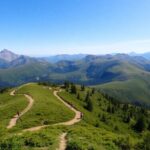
(121, 76)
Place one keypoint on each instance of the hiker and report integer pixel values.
(81, 115)
(18, 113)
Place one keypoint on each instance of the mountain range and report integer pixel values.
(145, 55)
(125, 77)
(57, 58)
(9, 59)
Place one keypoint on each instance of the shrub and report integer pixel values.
(123, 143)
(73, 146)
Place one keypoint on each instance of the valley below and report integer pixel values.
(124, 77)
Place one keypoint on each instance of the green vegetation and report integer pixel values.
(134, 91)
(110, 124)
(45, 139)
(107, 124)
(9, 105)
(121, 76)
(46, 108)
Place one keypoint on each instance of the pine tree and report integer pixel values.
(87, 96)
(89, 106)
(93, 90)
(125, 107)
(109, 109)
(73, 89)
(113, 109)
(128, 119)
(140, 124)
(66, 84)
(82, 87)
(78, 96)
(103, 118)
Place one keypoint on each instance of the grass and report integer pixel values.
(84, 136)
(9, 105)
(98, 130)
(128, 91)
(46, 139)
(46, 110)
(94, 133)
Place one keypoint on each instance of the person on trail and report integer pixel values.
(18, 113)
(81, 115)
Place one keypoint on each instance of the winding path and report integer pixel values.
(13, 121)
(77, 118)
(67, 123)
(63, 140)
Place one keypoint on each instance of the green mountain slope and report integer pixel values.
(106, 124)
(45, 108)
(23, 74)
(133, 90)
(103, 71)
(9, 106)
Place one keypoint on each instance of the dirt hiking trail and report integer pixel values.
(13, 121)
(63, 139)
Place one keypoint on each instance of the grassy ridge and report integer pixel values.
(9, 105)
(104, 127)
(47, 109)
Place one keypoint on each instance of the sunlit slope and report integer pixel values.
(23, 74)
(105, 125)
(134, 90)
(47, 109)
(9, 105)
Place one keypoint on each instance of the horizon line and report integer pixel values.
(50, 55)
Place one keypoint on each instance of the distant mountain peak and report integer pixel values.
(8, 55)
(7, 51)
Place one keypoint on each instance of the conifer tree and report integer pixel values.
(89, 106)
(103, 118)
(66, 84)
(93, 90)
(73, 89)
(78, 96)
(87, 96)
(82, 87)
(140, 124)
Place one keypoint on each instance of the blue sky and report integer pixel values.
(46, 27)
